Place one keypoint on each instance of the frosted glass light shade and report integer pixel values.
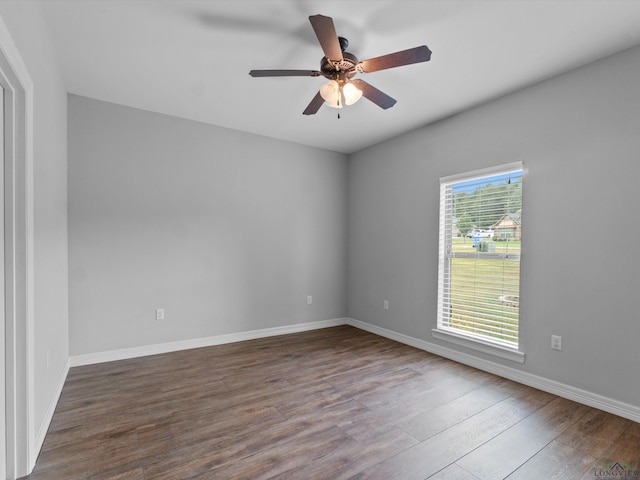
(351, 93)
(330, 92)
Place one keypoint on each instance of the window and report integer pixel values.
(479, 260)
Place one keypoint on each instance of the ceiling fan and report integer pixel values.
(340, 67)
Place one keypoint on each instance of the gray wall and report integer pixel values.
(28, 30)
(577, 135)
(227, 231)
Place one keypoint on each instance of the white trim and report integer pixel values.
(23, 248)
(479, 345)
(622, 409)
(46, 422)
(3, 292)
(125, 353)
(483, 172)
(30, 277)
(632, 412)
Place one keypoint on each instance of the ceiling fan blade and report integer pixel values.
(315, 105)
(397, 59)
(372, 93)
(284, 73)
(326, 33)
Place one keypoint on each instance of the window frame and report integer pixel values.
(478, 342)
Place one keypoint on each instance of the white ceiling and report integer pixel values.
(191, 58)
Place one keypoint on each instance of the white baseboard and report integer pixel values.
(46, 421)
(632, 412)
(125, 353)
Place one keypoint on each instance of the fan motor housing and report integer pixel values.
(347, 66)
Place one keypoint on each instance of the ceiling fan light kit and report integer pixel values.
(339, 67)
(340, 91)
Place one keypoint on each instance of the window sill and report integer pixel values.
(479, 345)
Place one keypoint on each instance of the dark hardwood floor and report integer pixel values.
(336, 403)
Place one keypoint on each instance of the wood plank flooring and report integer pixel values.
(336, 403)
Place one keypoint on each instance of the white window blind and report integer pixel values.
(479, 255)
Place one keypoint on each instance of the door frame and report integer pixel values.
(19, 443)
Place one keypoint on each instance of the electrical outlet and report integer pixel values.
(309, 300)
(386, 304)
(556, 342)
(159, 313)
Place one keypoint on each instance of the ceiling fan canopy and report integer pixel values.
(340, 66)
